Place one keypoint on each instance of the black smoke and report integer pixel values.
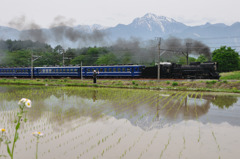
(61, 32)
(176, 47)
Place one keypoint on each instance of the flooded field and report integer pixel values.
(91, 123)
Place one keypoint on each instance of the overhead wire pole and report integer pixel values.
(33, 58)
(31, 64)
(188, 45)
(159, 44)
(63, 56)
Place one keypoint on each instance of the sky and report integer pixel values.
(113, 12)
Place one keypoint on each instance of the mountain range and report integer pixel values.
(147, 27)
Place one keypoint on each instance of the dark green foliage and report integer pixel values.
(17, 58)
(174, 84)
(201, 59)
(107, 59)
(227, 59)
(183, 60)
(211, 82)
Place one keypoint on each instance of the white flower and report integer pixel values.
(37, 134)
(22, 102)
(28, 103)
(25, 102)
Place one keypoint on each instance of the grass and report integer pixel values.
(184, 85)
(235, 75)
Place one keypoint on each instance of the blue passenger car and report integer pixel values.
(15, 72)
(68, 71)
(113, 71)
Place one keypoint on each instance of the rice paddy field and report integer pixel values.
(94, 123)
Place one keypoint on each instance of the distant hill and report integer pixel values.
(144, 28)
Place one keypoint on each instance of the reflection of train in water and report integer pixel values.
(168, 70)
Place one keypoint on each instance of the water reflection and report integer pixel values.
(121, 123)
(139, 107)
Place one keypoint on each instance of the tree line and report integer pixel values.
(19, 53)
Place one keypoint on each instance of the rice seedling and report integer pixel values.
(37, 135)
(166, 145)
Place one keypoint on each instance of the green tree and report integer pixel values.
(77, 60)
(89, 56)
(107, 59)
(69, 55)
(48, 58)
(201, 59)
(182, 60)
(18, 58)
(227, 59)
(126, 59)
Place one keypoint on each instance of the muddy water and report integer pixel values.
(119, 123)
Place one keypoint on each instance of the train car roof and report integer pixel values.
(15, 67)
(60, 67)
(117, 66)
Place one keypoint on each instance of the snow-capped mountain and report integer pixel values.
(153, 22)
(145, 28)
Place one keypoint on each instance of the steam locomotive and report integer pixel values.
(195, 70)
(168, 70)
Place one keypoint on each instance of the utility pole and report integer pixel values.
(31, 64)
(81, 71)
(159, 44)
(188, 45)
(63, 56)
(33, 58)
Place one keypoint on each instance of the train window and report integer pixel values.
(128, 69)
(64, 70)
(67, 70)
(119, 69)
(43, 70)
(136, 69)
(101, 69)
(105, 69)
(114, 69)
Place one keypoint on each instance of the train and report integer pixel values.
(196, 70)
(167, 70)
